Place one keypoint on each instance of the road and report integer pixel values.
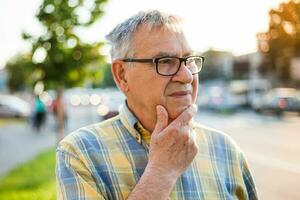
(271, 145)
(19, 143)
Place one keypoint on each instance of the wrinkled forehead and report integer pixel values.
(166, 38)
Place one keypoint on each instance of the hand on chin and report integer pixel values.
(175, 111)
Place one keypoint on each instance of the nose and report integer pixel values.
(184, 75)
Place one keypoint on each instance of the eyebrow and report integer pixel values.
(160, 54)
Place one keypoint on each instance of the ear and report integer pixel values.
(118, 70)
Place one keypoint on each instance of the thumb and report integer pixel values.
(161, 119)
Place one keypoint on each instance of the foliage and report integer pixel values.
(19, 72)
(281, 42)
(59, 57)
(101, 76)
(108, 80)
(34, 179)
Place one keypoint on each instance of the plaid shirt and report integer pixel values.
(106, 160)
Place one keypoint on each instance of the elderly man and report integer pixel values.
(152, 149)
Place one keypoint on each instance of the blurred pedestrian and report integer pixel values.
(60, 112)
(39, 113)
(153, 149)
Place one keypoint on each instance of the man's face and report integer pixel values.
(147, 89)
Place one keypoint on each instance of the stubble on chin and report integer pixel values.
(174, 112)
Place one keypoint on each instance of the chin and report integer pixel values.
(176, 111)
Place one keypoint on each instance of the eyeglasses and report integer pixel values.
(170, 65)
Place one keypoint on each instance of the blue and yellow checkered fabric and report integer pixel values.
(106, 160)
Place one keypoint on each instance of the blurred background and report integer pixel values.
(55, 77)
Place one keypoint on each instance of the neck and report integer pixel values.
(144, 116)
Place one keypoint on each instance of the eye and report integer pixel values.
(167, 61)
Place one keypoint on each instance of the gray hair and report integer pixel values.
(120, 37)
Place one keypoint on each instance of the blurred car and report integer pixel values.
(12, 106)
(112, 99)
(218, 99)
(279, 100)
(83, 97)
(107, 101)
(239, 91)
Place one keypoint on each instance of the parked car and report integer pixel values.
(12, 106)
(112, 99)
(279, 100)
(218, 99)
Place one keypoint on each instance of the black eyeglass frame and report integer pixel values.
(156, 60)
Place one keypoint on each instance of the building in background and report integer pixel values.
(218, 65)
(242, 76)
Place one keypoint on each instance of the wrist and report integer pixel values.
(166, 175)
(154, 184)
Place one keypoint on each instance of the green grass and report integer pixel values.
(33, 180)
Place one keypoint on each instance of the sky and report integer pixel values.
(229, 25)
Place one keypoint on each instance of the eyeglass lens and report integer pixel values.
(169, 66)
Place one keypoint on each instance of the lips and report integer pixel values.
(180, 93)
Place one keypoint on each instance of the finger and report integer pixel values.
(161, 119)
(186, 116)
(192, 144)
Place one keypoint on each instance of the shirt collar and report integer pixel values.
(133, 125)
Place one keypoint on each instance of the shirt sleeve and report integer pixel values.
(248, 179)
(74, 179)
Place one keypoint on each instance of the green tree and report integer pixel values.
(107, 80)
(59, 57)
(19, 69)
(281, 42)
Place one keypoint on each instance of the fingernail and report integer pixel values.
(158, 110)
